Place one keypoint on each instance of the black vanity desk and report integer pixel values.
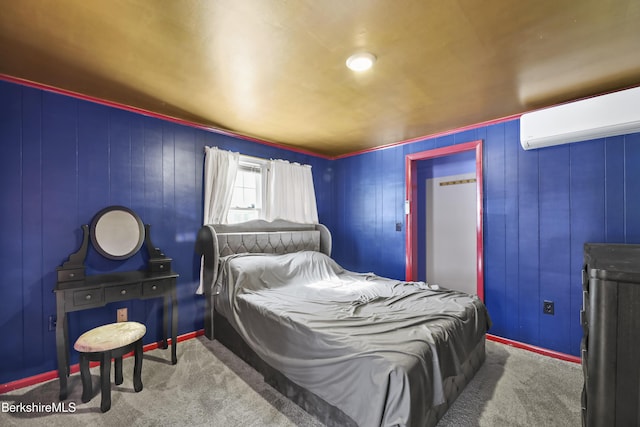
(77, 291)
(98, 290)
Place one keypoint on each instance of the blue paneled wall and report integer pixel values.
(63, 159)
(540, 207)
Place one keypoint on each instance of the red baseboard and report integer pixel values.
(535, 349)
(47, 376)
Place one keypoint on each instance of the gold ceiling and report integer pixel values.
(275, 69)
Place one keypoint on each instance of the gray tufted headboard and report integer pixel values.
(258, 236)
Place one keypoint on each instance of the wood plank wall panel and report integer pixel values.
(120, 153)
(632, 191)
(11, 254)
(31, 230)
(528, 220)
(424, 170)
(186, 213)
(540, 207)
(59, 195)
(495, 227)
(614, 181)
(367, 208)
(512, 229)
(588, 223)
(555, 239)
(63, 159)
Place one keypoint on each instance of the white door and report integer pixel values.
(451, 232)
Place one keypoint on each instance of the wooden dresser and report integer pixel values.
(610, 350)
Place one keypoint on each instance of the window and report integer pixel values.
(248, 192)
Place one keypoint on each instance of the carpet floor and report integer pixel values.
(210, 386)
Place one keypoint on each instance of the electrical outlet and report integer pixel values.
(52, 322)
(122, 314)
(547, 307)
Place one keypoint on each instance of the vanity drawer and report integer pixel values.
(157, 288)
(119, 293)
(86, 297)
(160, 265)
(68, 275)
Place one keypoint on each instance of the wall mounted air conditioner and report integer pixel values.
(612, 114)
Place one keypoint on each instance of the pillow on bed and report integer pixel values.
(260, 271)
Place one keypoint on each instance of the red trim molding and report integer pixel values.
(148, 113)
(46, 376)
(219, 131)
(411, 166)
(433, 135)
(535, 349)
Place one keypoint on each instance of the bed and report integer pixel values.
(349, 348)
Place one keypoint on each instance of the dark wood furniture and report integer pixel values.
(611, 327)
(77, 291)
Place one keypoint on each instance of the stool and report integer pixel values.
(103, 343)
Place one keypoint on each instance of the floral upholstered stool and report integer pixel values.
(103, 343)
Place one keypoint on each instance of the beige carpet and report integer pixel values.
(518, 388)
(211, 386)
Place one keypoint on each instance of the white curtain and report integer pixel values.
(220, 169)
(290, 193)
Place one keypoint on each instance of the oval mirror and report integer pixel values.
(117, 232)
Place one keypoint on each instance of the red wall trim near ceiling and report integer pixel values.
(156, 115)
(46, 376)
(113, 104)
(433, 135)
(411, 166)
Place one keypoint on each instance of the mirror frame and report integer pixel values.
(94, 239)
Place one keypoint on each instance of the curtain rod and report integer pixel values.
(260, 159)
(243, 155)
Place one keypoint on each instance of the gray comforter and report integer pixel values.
(376, 348)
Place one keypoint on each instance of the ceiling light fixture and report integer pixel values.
(361, 61)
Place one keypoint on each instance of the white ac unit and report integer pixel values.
(612, 114)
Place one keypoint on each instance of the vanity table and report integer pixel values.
(116, 233)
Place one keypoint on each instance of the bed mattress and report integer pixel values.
(378, 349)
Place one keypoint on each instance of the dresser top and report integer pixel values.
(117, 278)
(619, 261)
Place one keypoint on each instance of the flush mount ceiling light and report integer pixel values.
(361, 61)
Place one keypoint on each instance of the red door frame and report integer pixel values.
(412, 197)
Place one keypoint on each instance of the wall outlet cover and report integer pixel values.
(122, 315)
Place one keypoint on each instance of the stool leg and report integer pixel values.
(105, 381)
(137, 366)
(85, 375)
(118, 367)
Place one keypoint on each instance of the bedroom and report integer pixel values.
(65, 158)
